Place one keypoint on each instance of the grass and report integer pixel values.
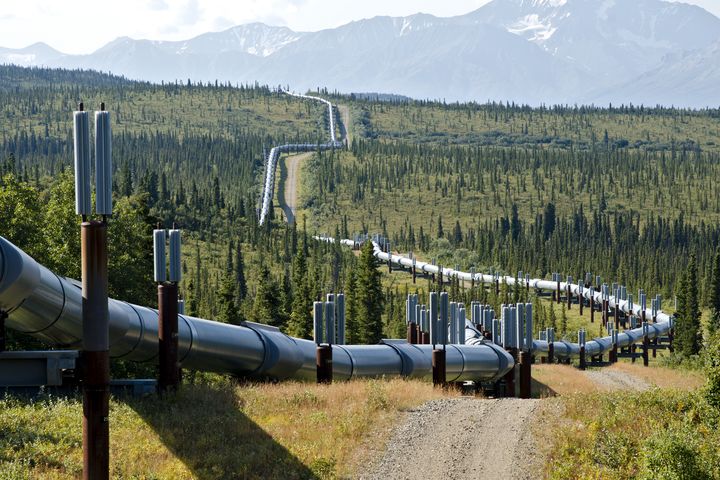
(218, 430)
(658, 434)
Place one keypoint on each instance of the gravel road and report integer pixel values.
(292, 169)
(461, 438)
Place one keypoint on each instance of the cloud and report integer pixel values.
(158, 5)
(222, 23)
(190, 14)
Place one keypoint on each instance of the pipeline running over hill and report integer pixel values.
(274, 155)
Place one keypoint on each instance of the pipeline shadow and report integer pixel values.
(205, 428)
(541, 390)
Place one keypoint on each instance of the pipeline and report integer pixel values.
(48, 307)
(274, 155)
(562, 349)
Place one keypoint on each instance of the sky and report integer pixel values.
(83, 26)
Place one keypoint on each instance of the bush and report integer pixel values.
(672, 455)
(712, 368)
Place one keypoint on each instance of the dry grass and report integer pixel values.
(550, 380)
(663, 377)
(289, 430)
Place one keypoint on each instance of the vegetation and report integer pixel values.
(213, 430)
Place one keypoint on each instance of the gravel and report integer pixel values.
(461, 438)
(615, 380)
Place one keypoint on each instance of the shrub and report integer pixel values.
(672, 455)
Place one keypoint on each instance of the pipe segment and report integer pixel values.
(562, 349)
(49, 308)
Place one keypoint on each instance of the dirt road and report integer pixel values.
(289, 195)
(461, 438)
(345, 118)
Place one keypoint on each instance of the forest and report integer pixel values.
(532, 192)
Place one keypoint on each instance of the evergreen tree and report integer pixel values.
(229, 312)
(714, 295)
(687, 329)
(352, 330)
(549, 220)
(369, 297)
(240, 274)
(552, 318)
(266, 308)
(300, 324)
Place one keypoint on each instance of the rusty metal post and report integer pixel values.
(414, 271)
(510, 376)
(3, 317)
(438, 367)
(583, 362)
(569, 296)
(592, 309)
(95, 354)
(551, 352)
(323, 363)
(581, 302)
(525, 374)
(168, 337)
(412, 333)
(558, 289)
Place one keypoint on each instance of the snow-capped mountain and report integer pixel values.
(532, 51)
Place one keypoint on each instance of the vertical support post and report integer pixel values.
(439, 367)
(568, 293)
(557, 278)
(551, 345)
(412, 333)
(614, 351)
(525, 375)
(510, 376)
(592, 306)
(169, 377)
(581, 341)
(646, 344)
(323, 364)
(95, 354)
(581, 297)
(414, 270)
(3, 317)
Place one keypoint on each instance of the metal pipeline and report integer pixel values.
(274, 155)
(48, 307)
(562, 349)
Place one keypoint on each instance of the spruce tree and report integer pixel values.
(300, 324)
(229, 312)
(369, 297)
(714, 295)
(687, 329)
(352, 330)
(240, 274)
(266, 308)
(552, 318)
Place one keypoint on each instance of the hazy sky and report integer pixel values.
(82, 26)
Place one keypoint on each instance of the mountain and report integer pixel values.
(33, 55)
(528, 51)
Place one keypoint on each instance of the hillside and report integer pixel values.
(534, 52)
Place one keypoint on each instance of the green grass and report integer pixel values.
(657, 434)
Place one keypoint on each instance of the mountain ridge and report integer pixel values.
(527, 51)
